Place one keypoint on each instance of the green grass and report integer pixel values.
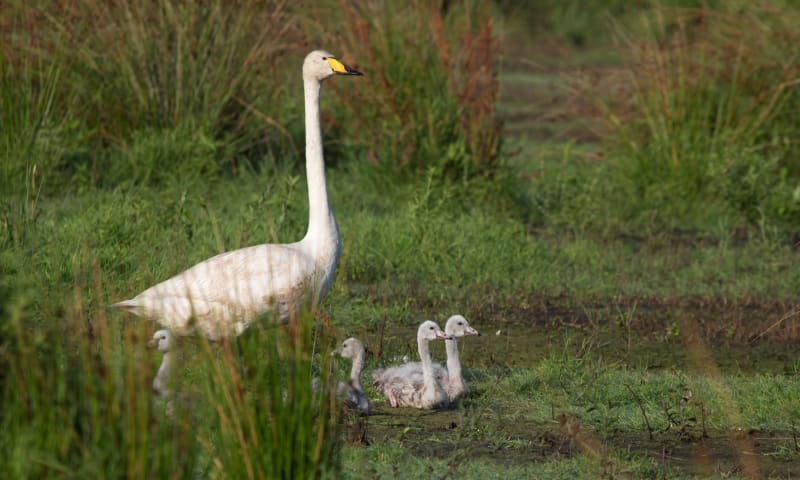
(605, 397)
(392, 461)
(513, 424)
(517, 423)
(441, 243)
(78, 403)
(127, 158)
(419, 256)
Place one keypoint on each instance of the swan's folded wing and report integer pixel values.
(182, 315)
(408, 373)
(245, 277)
(408, 394)
(377, 376)
(224, 293)
(397, 374)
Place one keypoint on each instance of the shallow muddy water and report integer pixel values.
(461, 436)
(740, 339)
(704, 338)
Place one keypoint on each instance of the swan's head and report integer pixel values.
(320, 65)
(161, 339)
(430, 331)
(457, 326)
(350, 348)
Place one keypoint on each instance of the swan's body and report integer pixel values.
(221, 296)
(351, 392)
(451, 377)
(398, 383)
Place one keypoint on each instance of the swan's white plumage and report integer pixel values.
(221, 296)
(398, 383)
(351, 392)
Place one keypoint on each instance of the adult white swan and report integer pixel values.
(399, 384)
(219, 297)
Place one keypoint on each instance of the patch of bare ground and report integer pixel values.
(720, 320)
(745, 335)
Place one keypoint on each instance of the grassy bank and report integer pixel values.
(636, 220)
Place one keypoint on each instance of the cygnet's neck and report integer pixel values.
(161, 384)
(453, 360)
(423, 345)
(355, 370)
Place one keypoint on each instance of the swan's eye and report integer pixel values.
(324, 58)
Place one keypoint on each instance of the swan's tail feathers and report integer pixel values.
(377, 375)
(129, 305)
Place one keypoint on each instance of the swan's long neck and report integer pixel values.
(161, 384)
(322, 227)
(427, 364)
(453, 362)
(355, 370)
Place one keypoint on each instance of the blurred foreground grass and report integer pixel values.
(139, 138)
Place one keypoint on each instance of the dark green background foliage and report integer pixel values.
(493, 152)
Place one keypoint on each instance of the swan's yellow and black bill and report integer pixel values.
(341, 68)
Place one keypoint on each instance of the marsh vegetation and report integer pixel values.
(610, 193)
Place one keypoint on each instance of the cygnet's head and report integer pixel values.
(350, 348)
(320, 65)
(161, 339)
(457, 326)
(429, 330)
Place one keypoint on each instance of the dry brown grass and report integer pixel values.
(136, 64)
(428, 97)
